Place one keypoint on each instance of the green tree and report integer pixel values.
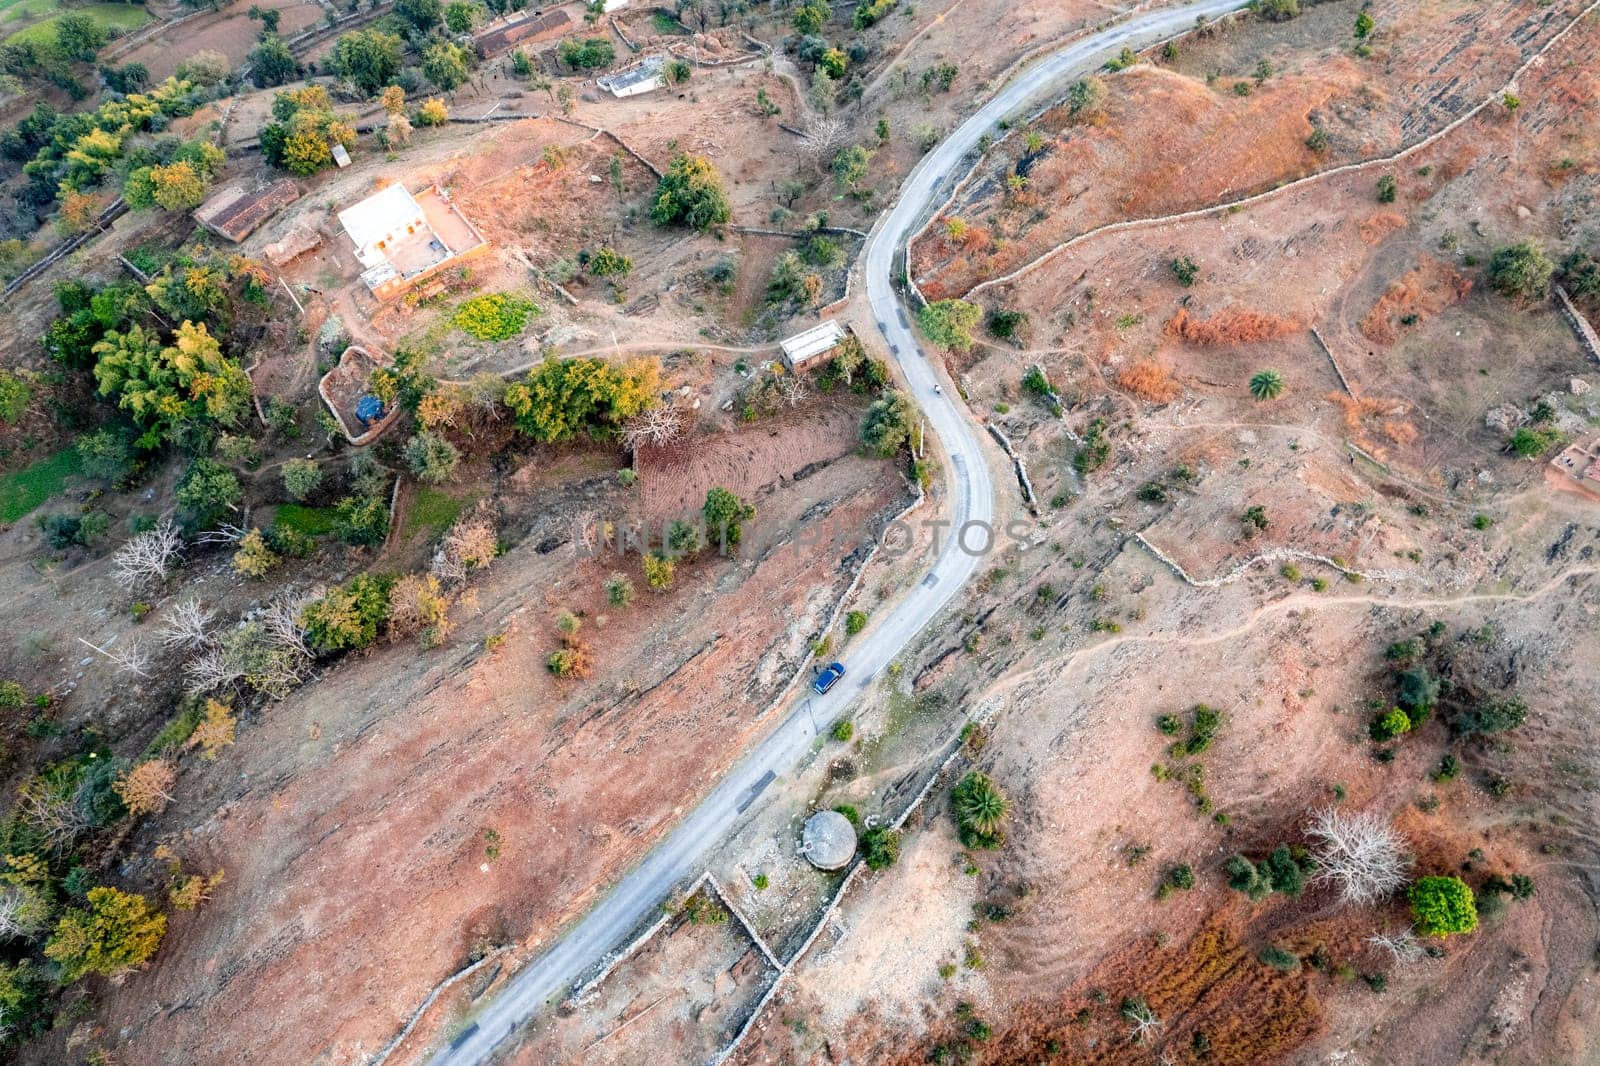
(301, 477)
(369, 59)
(447, 65)
(725, 515)
(79, 36)
(949, 323)
(461, 17)
(164, 388)
(880, 847)
(691, 194)
(177, 187)
(1266, 384)
(1364, 25)
(658, 571)
(271, 63)
(1443, 906)
(850, 167)
(1387, 726)
(1521, 271)
(809, 17)
(608, 261)
(432, 457)
(562, 399)
(118, 931)
(208, 490)
(886, 427)
(423, 15)
(304, 131)
(589, 53)
(980, 809)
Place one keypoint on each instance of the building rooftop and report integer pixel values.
(233, 213)
(623, 80)
(828, 841)
(371, 220)
(811, 343)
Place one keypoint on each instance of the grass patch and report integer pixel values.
(665, 24)
(117, 19)
(312, 521)
(23, 490)
(432, 512)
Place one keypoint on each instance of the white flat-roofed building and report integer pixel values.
(807, 345)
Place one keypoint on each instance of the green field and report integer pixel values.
(312, 521)
(432, 513)
(23, 490)
(116, 18)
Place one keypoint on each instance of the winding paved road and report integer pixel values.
(679, 857)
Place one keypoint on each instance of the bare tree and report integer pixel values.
(185, 626)
(148, 556)
(1361, 854)
(1403, 945)
(792, 390)
(209, 671)
(1142, 1021)
(653, 428)
(822, 141)
(226, 533)
(282, 619)
(130, 658)
(23, 911)
(56, 817)
(471, 543)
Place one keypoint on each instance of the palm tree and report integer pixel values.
(1266, 384)
(980, 807)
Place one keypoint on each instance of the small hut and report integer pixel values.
(828, 841)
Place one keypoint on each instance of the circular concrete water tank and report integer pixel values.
(829, 840)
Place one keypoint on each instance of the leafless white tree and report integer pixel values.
(282, 619)
(1361, 854)
(130, 658)
(148, 556)
(185, 626)
(57, 818)
(792, 390)
(226, 533)
(1403, 945)
(1141, 1019)
(653, 428)
(23, 911)
(209, 671)
(822, 141)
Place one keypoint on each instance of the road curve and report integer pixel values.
(678, 858)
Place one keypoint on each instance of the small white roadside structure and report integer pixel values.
(800, 349)
(643, 78)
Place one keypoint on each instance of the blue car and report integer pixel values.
(828, 678)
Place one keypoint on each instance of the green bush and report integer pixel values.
(1490, 716)
(855, 622)
(362, 520)
(349, 615)
(1279, 959)
(1532, 442)
(880, 847)
(1443, 906)
(1006, 323)
(691, 194)
(842, 731)
(494, 316)
(301, 478)
(949, 323)
(208, 490)
(1203, 726)
(1181, 877)
(1387, 726)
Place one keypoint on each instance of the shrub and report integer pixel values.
(1186, 270)
(254, 558)
(855, 622)
(362, 520)
(658, 571)
(1277, 10)
(1521, 271)
(433, 112)
(1203, 726)
(1419, 693)
(1279, 959)
(494, 316)
(607, 262)
(1443, 906)
(1491, 716)
(725, 515)
(1387, 726)
(886, 427)
(842, 731)
(880, 847)
(348, 615)
(619, 590)
(1169, 725)
(980, 809)
(1181, 877)
(1531, 442)
(207, 491)
(1386, 189)
(1283, 872)
(301, 478)
(1266, 384)
(1085, 97)
(1243, 876)
(1006, 323)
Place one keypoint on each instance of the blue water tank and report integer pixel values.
(369, 409)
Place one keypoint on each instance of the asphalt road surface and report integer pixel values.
(678, 858)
